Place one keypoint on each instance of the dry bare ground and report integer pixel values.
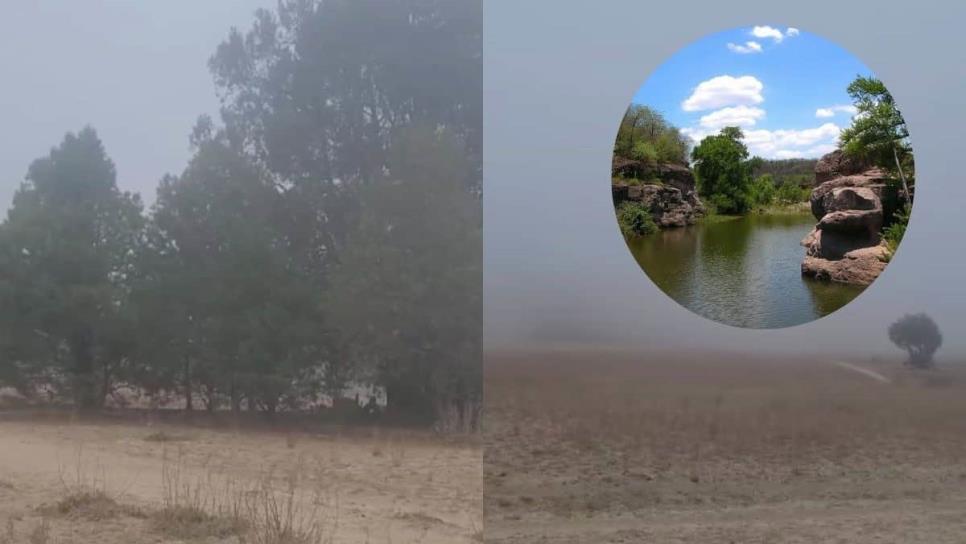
(610, 446)
(108, 483)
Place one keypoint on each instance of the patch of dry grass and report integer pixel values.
(272, 510)
(629, 431)
(92, 505)
(162, 436)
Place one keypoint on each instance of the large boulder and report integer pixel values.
(858, 267)
(837, 164)
(833, 244)
(875, 180)
(850, 202)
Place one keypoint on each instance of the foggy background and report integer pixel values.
(136, 71)
(558, 77)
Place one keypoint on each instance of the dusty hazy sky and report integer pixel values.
(135, 70)
(557, 79)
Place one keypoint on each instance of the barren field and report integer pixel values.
(65, 482)
(607, 447)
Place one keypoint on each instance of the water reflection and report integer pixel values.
(744, 272)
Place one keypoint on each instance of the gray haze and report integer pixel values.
(557, 79)
(136, 71)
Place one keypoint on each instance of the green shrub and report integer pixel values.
(635, 219)
(894, 232)
(762, 191)
(790, 193)
(644, 151)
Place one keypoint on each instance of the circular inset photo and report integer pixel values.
(763, 177)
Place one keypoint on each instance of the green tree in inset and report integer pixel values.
(723, 170)
(878, 132)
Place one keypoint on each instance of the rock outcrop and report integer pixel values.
(837, 164)
(675, 175)
(668, 205)
(673, 201)
(845, 246)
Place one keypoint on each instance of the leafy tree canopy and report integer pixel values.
(919, 335)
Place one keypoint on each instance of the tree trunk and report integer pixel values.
(902, 175)
(188, 400)
(233, 395)
(82, 350)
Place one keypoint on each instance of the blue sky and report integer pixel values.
(785, 87)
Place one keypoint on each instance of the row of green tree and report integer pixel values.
(877, 136)
(646, 136)
(325, 235)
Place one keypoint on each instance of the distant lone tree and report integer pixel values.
(919, 335)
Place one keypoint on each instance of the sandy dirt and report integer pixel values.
(378, 488)
(616, 447)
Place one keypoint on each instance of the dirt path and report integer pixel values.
(863, 371)
(384, 488)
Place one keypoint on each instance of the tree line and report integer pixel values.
(325, 234)
(876, 136)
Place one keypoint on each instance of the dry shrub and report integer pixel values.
(194, 507)
(292, 514)
(86, 496)
(257, 513)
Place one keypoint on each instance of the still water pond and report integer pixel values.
(744, 272)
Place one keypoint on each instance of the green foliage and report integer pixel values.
(635, 219)
(791, 193)
(318, 239)
(645, 135)
(408, 291)
(919, 335)
(723, 171)
(878, 132)
(797, 172)
(762, 191)
(644, 151)
(893, 233)
(67, 246)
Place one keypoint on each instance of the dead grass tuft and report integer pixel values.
(90, 505)
(161, 436)
(190, 522)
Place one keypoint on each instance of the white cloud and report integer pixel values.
(791, 32)
(781, 144)
(807, 142)
(740, 116)
(822, 149)
(768, 32)
(748, 47)
(824, 113)
(723, 91)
